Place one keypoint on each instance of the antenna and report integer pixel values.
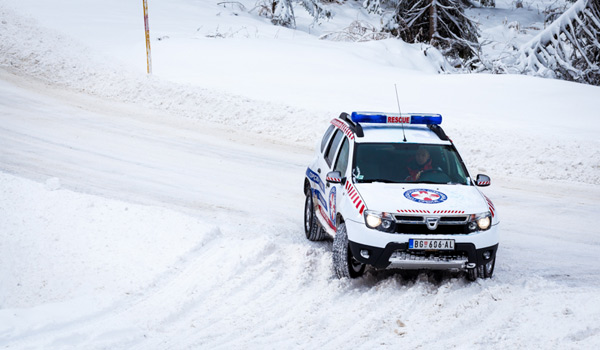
(399, 111)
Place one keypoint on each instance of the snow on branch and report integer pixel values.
(569, 48)
(357, 31)
(440, 23)
(281, 12)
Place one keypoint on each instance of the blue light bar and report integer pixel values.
(395, 118)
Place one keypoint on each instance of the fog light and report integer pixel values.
(487, 254)
(386, 224)
(365, 253)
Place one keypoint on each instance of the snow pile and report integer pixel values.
(71, 236)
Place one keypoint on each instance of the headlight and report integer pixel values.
(480, 222)
(379, 221)
(372, 220)
(484, 223)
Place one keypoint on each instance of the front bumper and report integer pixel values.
(397, 255)
(390, 250)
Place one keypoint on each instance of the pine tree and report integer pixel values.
(441, 23)
(569, 48)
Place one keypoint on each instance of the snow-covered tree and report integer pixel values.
(281, 12)
(441, 23)
(569, 48)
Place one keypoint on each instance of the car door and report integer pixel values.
(324, 166)
(339, 165)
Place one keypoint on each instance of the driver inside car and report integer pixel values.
(421, 163)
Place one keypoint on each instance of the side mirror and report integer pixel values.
(482, 180)
(334, 177)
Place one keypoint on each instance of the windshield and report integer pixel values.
(408, 163)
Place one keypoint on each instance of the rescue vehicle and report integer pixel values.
(365, 190)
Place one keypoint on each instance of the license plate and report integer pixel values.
(431, 244)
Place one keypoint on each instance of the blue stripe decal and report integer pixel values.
(321, 199)
(314, 177)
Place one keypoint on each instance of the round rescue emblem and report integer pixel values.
(425, 196)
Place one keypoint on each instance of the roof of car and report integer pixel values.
(377, 133)
(372, 127)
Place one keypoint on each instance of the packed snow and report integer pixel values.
(165, 211)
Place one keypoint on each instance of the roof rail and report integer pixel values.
(355, 127)
(439, 132)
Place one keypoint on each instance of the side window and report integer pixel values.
(342, 160)
(326, 137)
(333, 145)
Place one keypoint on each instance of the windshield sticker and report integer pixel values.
(420, 195)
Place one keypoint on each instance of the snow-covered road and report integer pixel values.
(242, 274)
(121, 152)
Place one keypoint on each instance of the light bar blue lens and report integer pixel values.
(426, 119)
(368, 118)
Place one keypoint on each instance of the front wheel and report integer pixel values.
(312, 229)
(482, 271)
(344, 263)
(487, 270)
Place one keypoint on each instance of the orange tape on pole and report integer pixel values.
(147, 28)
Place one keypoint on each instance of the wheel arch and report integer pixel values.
(339, 219)
(306, 186)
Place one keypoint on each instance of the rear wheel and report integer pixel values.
(344, 263)
(312, 229)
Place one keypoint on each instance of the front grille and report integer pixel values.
(447, 225)
(407, 219)
(423, 230)
(453, 219)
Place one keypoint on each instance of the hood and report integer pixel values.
(422, 198)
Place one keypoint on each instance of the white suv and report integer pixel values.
(393, 192)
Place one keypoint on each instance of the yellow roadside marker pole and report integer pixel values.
(148, 54)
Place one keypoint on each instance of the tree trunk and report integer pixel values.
(432, 21)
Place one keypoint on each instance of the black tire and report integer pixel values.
(482, 271)
(312, 228)
(472, 274)
(487, 270)
(344, 264)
